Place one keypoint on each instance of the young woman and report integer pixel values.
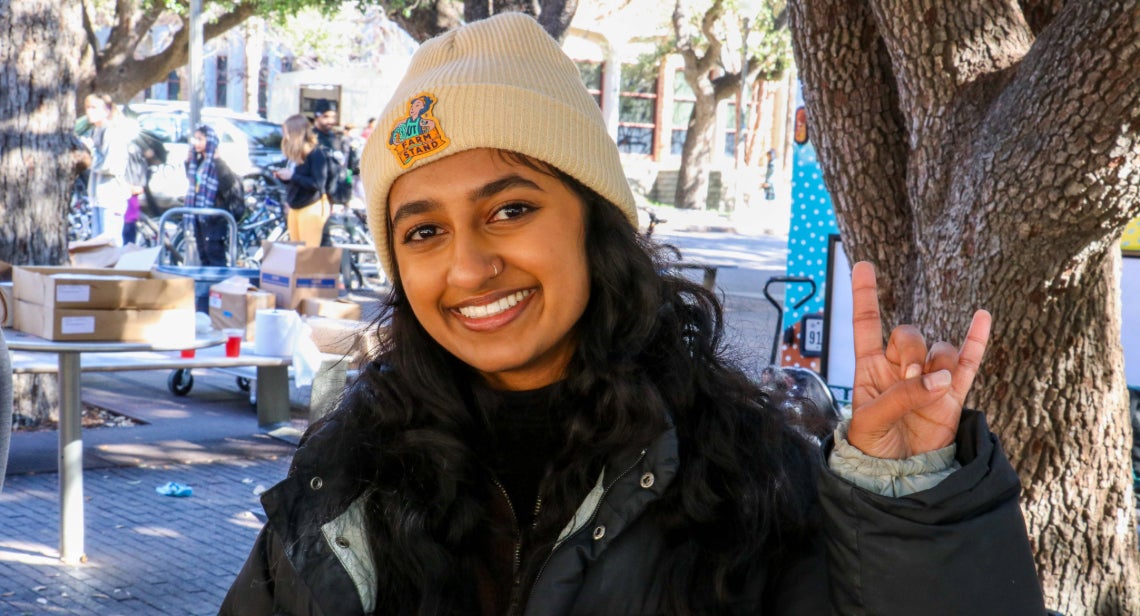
(211, 184)
(309, 207)
(108, 188)
(552, 426)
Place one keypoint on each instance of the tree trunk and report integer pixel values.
(697, 155)
(554, 15)
(39, 63)
(983, 158)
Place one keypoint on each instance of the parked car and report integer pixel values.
(247, 143)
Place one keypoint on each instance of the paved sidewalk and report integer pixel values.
(147, 553)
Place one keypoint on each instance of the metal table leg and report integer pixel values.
(272, 396)
(710, 278)
(71, 531)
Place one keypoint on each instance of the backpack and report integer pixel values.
(335, 173)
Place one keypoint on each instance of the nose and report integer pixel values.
(473, 260)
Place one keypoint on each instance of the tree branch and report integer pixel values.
(1039, 13)
(1069, 114)
(937, 50)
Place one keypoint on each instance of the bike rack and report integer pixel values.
(780, 310)
(197, 211)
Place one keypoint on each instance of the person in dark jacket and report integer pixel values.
(211, 185)
(344, 162)
(307, 178)
(552, 425)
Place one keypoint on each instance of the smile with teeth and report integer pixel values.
(490, 310)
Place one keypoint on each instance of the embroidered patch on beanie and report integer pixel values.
(418, 134)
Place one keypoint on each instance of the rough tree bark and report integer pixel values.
(39, 58)
(986, 154)
(554, 15)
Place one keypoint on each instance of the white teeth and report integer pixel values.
(489, 310)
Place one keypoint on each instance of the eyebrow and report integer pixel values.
(485, 191)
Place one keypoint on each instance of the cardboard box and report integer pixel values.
(102, 289)
(338, 308)
(355, 339)
(294, 272)
(171, 326)
(234, 303)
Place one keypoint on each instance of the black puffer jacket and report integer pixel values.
(959, 548)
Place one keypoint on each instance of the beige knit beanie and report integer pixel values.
(501, 83)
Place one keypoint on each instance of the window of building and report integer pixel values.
(730, 130)
(637, 110)
(683, 102)
(592, 77)
(173, 86)
(222, 80)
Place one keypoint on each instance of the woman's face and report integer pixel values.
(199, 142)
(492, 258)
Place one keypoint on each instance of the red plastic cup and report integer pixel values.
(233, 342)
(188, 353)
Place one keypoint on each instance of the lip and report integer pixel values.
(494, 322)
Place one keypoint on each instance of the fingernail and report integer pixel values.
(937, 380)
(912, 371)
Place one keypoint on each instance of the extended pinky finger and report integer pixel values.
(973, 349)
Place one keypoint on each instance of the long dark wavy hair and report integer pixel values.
(649, 349)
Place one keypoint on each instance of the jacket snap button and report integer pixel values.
(599, 532)
(316, 483)
(342, 542)
(647, 480)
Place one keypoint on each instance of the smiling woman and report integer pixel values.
(553, 425)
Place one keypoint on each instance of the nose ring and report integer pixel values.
(494, 270)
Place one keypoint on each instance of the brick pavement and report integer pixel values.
(148, 553)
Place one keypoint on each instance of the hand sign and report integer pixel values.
(906, 400)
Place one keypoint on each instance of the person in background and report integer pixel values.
(212, 185)
(369, 126)
(131, 219)
(339, 147)
(770, 177)
(307, 177)
(108, 186)
(554, 424)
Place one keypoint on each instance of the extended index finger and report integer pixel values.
(866, 322)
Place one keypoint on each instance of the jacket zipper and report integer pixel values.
(514, 526)
(589, 523)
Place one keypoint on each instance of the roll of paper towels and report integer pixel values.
(277, 332)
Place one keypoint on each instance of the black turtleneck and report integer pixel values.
(527, 431)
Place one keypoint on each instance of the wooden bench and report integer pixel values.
(709, 267)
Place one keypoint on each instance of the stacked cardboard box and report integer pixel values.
(234, 304)
(65, 303)
(294, 272)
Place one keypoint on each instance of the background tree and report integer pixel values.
(126, 64)
(38, 67)
(984, 154)
(713, 71)
(425, 19)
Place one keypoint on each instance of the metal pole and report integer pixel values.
(71, 532)
(195, 69)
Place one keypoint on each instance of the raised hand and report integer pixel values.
(906, 399)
